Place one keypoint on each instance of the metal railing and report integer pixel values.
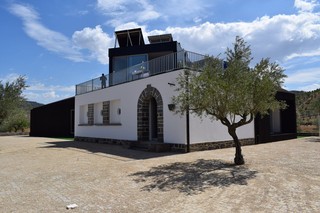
(167, 63)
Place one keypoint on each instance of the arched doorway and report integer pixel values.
(150, 115)
(153, 120)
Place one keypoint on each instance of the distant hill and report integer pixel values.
(306, 114)
(29, 105)
(34, 104)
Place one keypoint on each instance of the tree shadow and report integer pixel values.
(193, 177)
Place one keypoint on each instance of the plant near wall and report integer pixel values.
(11, 97)
(235, 94)
(16, 121)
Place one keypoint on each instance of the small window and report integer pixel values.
(83, 117)
(115, 112)
(98, 119)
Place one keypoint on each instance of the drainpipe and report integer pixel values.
(188, 130)
(187, 114)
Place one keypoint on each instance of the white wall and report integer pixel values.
(128, 95)
(207, 130)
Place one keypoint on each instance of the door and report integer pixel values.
(153, 120)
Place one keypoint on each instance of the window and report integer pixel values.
(83, 118)
(119, 63)
(98, 119)
(115, 112)
(120, 66)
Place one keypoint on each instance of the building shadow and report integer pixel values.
(193, 177)
(107, 150)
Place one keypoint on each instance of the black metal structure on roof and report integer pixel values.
(160, 38)
(127, 38)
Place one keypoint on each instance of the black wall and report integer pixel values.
(53, 120)
(287, 117)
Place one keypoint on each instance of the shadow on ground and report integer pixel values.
(193, 177)
(312, 139)
(109, 149)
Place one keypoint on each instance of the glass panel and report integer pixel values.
(134, 60)
(119, 63)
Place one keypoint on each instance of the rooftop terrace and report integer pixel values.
(167, 63)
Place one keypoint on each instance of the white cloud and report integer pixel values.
(50, 95)
(123, 11)
(9, 77)
(280, 37)
(197, 20)
(42, 93)
(304, 79)
(43, 87)
(49, 39)
(310, 87)
(189, 9)
(45, 97)
(304, 76)
(95, 40)
(31, 96)
(128, 25)
(92, 40)
(310, 53)
(306, 5)
(141, 11)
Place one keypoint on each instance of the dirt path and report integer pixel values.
(46, 175)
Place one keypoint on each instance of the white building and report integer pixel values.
(132, 105)
(135, 104)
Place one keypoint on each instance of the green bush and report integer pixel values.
(17, 121)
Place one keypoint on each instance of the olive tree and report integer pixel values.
(232, 94)
(16, 121)
(11, 97)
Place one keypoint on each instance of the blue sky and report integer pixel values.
(57, 44)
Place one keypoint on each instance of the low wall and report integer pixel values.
(173, 147)
(212, 145)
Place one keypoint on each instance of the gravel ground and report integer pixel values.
(46, 175)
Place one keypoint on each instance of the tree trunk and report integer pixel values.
(238, 160)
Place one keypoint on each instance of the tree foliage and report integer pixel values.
(16, 121)
(233, 94)
(308, 109)
(11, 97)
(316, 106)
